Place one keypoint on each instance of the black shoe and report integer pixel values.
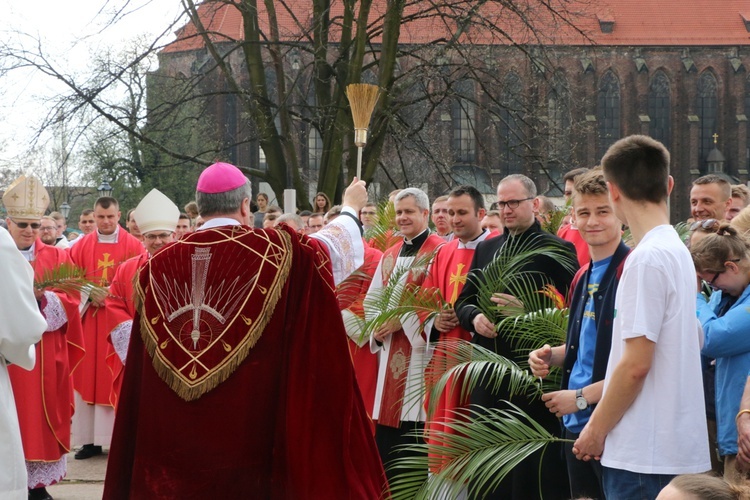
(88, 451)
(39, 494)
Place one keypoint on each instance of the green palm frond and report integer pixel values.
(469, 365)
(508, 273)
(553, 220)
(481, 448)
(66, 278)
(683, 231)
(399, 300)
(383, 234)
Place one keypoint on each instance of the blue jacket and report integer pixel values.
(727, 338)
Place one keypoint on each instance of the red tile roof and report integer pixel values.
(636, 23)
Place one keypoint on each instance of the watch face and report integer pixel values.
(581, 403)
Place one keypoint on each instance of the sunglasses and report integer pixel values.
(707, 225)
(24, 225)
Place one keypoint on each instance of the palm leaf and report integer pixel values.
(481, 447)
(470, 365)
(384, 233)
(401, 300)
(66, 278)
(555, 219)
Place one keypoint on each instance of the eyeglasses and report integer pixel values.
(716, 276)
(366, 213)
(24, 225)
(154, 237)
(512, 204)
(707, 225)
(49, 228)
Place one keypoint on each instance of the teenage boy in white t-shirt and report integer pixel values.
(650, 424)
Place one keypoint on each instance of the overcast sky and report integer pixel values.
(68, 32)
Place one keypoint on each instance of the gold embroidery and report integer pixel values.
(248, 321)
(227, 347)
(104, 265)
(456, 279)
(193, 372)
(154, 320)
(164, 344)
(398, 364)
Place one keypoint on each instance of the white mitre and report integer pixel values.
(26, 198)
(156, 212)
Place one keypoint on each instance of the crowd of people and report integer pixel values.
(242, 335)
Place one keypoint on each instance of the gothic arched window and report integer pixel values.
(608, 111)
(558, 133)
(660, 109)
(463, 117)
(510, 126)
(707, 108)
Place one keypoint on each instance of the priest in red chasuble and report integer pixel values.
(238, 382)
(100, 253)
(448, 274)
(44, 395)
(401, 343)
(157, 217)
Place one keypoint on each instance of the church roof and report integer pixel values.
(681, 23)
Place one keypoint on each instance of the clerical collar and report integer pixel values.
(412, 246)
(28, 254)
(108, 238)
(218, 222)
(472, 245)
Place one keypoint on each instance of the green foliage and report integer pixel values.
(484, 445)
(67, 278)
(383, 234)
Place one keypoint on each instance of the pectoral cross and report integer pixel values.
(104, 265)
(457, 279)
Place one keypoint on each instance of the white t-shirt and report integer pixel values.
(664, 430)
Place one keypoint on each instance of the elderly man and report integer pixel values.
(22, 327)
(157, 218)
(242, 361)
(400, 343)
(43, 395)
(516, 199)
(100, 253)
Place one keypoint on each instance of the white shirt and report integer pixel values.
(664, 430)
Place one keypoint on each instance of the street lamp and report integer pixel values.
(65, 209)
(104, 189)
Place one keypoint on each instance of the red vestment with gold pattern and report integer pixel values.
(120, 306)
(238, 382)
(448, 274)
(94, 378)
(44, 395)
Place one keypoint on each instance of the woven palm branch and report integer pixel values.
(481, 448)
(473, 365)
(66, 278)
(384, 233)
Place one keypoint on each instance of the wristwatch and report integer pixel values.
(581, 402)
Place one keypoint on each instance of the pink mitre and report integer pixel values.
(220, 178)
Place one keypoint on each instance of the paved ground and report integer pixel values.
(85, 479)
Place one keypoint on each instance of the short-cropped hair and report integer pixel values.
(590, 183)
(573, 174)
(472, 192)
(420, 197)
(722, 182)
(527, 183)
(639, 166)
(105, 202)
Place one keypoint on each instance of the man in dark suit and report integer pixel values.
(517, 202)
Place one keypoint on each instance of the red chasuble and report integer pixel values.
(44, 395)
(120, 307)
(94, 379)
(238, 382)
(350, 297)
(448, 273)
